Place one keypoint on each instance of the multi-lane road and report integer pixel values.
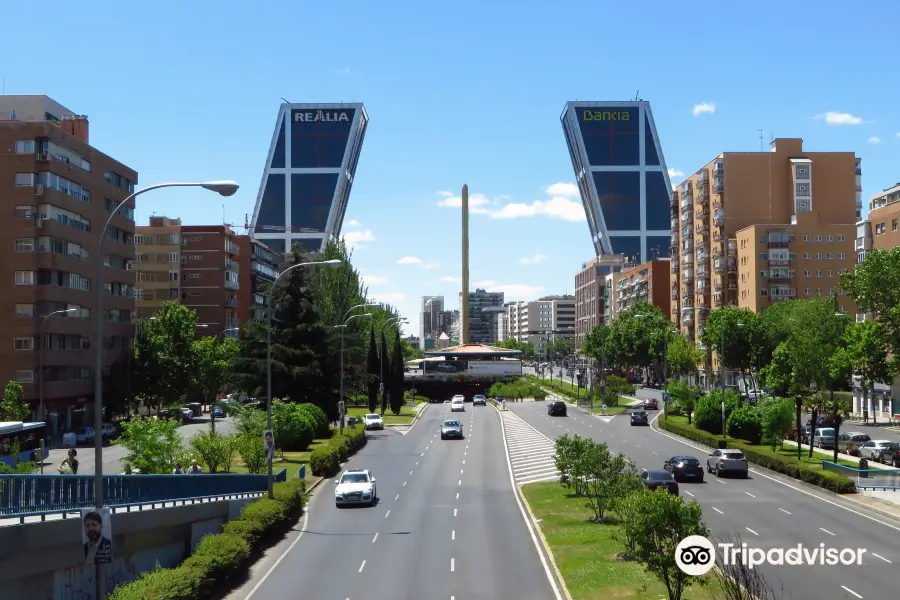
(448, 525)
(766, 510)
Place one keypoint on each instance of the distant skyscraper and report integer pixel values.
(429, 318)
(622, 177)
(308, 176)
(483, 323)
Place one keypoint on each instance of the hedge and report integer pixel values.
(220, 556)
(823, 479)
(326, 459)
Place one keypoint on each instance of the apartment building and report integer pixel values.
(59, 193)
(884, 217)
(542, 320)
(590, 283)
(157, 265)
(737, 190)
(648, 282)
(801, 259)
(259, 266)
(209, 276)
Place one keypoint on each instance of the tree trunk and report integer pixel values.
(865, 405)
(812, 428)
(798, 406)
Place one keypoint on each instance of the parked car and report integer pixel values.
(878, 449)
(684, 468)
(653, 480)
(823, 437)
(851, 442)
(727, 461)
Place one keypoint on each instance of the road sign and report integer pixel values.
(341, 407)
(665, 396)
(413, 391)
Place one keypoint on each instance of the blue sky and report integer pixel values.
(463, 93)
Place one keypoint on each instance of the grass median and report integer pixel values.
(405, 417)
(587, 553)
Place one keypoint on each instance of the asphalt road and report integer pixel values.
(766, 510)
(113, 455)
(446, 525)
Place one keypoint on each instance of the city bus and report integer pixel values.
(27, 435)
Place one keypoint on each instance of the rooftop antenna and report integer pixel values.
(760, 139)
(285, 101)
(637, 95)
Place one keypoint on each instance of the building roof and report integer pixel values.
(474, 350)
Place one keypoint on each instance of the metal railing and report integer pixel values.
(29, 495)
(878, 479)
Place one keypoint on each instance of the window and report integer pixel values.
(806, 255)
(841, 239)
(805, 238)
(807, 291)
(819, 291)
(894, 225)
(25, 147)
(801, 171)
(818, 256)
(763, 292)
(818, 238)
(173, 275)
(818, 273)
(24, 245)
(830, 274)
(195, 276)
(23, 343)
(25, 179)
(841, 256)
(807, 273)
(24, 310)
(138, 239)
(24, 376)
(24, 278)
(25, 212)
(194, 257)
(803, 190)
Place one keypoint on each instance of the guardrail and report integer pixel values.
(874, 479)
(33, 495)
(499, 405)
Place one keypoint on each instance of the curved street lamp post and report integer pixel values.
(271, 308)
(41, 415)
(342, 407)
(224, 188)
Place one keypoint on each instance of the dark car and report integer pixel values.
(651, 404)
(451, 428)
(685, 468)
(639, 417)
(660, 479)
(479, 400)
(557, 408)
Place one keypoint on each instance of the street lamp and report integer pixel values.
(41, 416)
(341, 406)
(271, 306)
(224, 188)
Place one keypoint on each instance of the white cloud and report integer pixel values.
(486, 283)
(356, 239)
(567, 190)
(839, 118)
(388, 297)
(898, 134)
(517, 291)
(352, 223)
(450, 279)
(533, 260)
(703, 108)
(477, 202)
(874, 140)
(556, 207)
(430, 266)
(410, 260)
(675, 173)
(373, 279)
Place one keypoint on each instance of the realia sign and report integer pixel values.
(323, 116)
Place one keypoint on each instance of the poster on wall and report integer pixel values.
(96, 535)
(495, 367)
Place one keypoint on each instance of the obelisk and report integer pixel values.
(464, 302)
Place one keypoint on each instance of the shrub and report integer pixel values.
(319, 417)
(324, 461)
(293, 427)
(745, 423)
(252, 449)
(708, 410)
(219, 556)
(214, 450)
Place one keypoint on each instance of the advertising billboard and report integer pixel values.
(494, 367)
(444, 367)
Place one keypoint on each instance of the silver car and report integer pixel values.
(451, 428)
(727, 461)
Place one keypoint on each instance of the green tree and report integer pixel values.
(373, 372)
(526, 348)
(153, 446)
(556, 348)
(13, 407)
(385, 370)
(636, 337)
(397, 373)
(249, 420)
(867, 354)
(684, 396)
(252, 449)
(214, 450)
(682, 356)
(875, 287)
(663, 521)
(212, 367)
(595, 343)
(743, 336)
(164, 357)
(776, 418)
(410, 353)
(294, 429)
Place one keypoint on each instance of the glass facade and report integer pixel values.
(309, 174)
(621, 176)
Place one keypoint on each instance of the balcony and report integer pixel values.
(701, 242)
(232, 248)
(781, 274)
(231, 285)
(702, 228)
(687, 245)
(687, 302)
(717, 235)
(702, 213)
(777, 294)
(231, 302)
(687, 317)
(688, 258)
(778, 239)
(732, 247)
(717, 285)
(719, 183)
(687, 276)
(703, 193)
(674, 295)
(701, 255)
(717, 203)
(674, 223)
(685, 217)
(719, 216)
(231, 265)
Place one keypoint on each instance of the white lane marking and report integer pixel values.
(720, 481)
(375, 538)
(717, 510)
(453, 535)
(362, 566)
(881, 557)
(387, 514)
(417, 463)
(749, 494)
(784, 511)
(397, 497)
(460, 482)
(464, 453)
(826, 531)
(636, 446)
(410, 472)
(423, 454)
(654, 453)
(784, 483)
(751, 531)
(404, 484)
(461, 471)
(846, 589)
(464, 460)
(284, 554)
(454, 512)
(452, 565)
(457, 495)
(689, 494)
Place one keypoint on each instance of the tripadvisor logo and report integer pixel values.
(696, 555)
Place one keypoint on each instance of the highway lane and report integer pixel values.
(764, 512)
(446, 526)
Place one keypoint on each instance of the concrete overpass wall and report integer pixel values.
(45, 561)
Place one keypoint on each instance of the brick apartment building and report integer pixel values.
(157, 265)
(648, 282)
(209, 276)
(590, 284)
(259, 265)
(59, 193)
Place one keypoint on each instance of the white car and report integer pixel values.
(458, 404)
(356, 486)
(373, 421)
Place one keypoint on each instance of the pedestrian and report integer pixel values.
(195, 469)
(177, 470)
(69, 466)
